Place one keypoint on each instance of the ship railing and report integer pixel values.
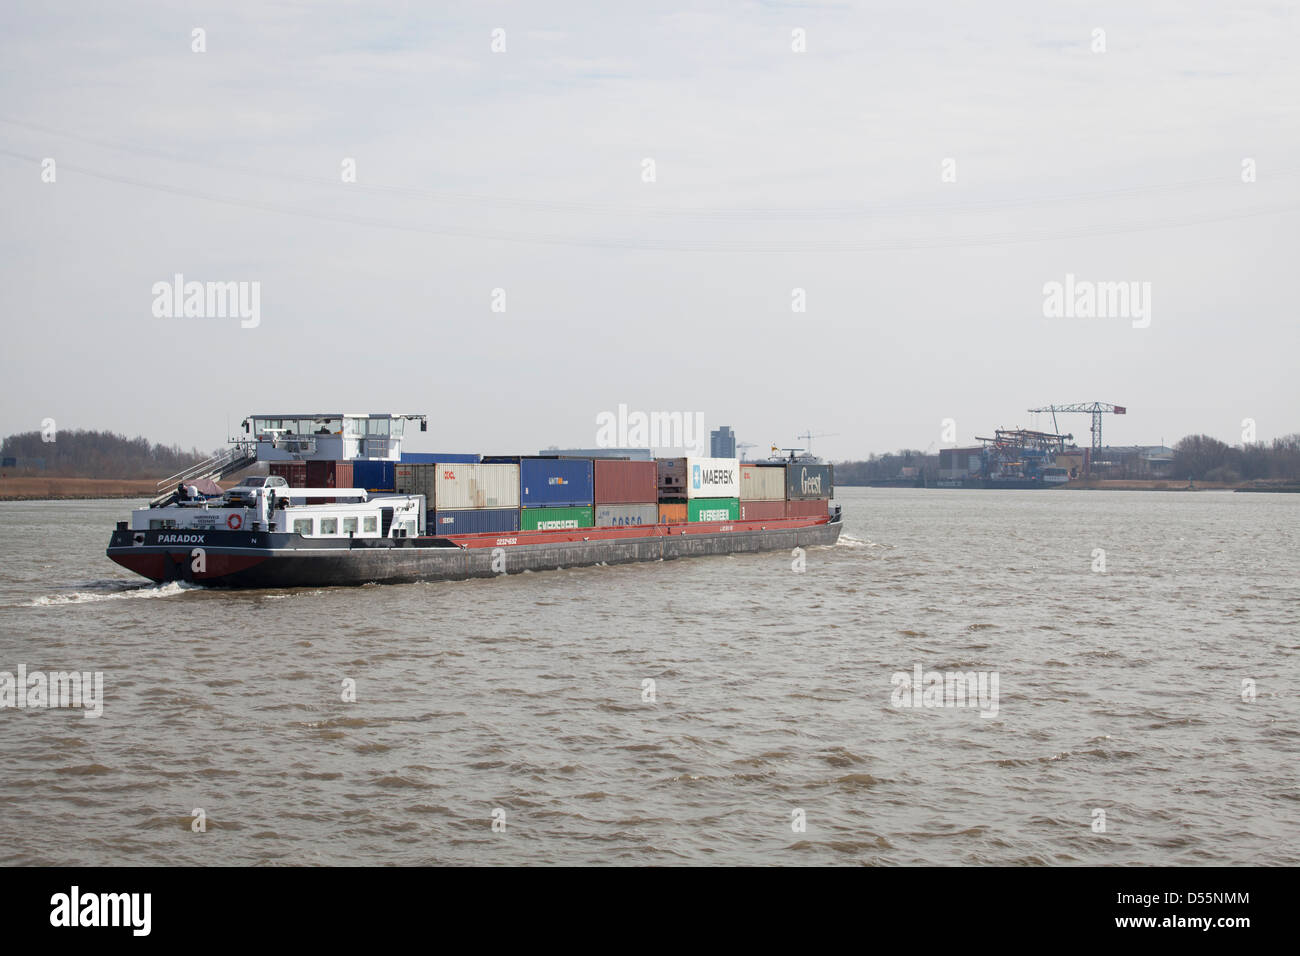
(237, 457)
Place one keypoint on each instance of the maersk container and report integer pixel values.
(624, 482)
(555, 482)
(713, 509)
(623, 516)
(458, 485)
(553, 519)
(698, 477)
(761, 510)
(374, 475)
(762, 482)
(432, 457)
(475, 521)
(807, 482)
(811, 508)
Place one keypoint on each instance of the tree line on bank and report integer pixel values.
(1198, 457)
(93, 454)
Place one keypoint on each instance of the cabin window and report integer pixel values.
(409, 528)
(349, 525)
(302, 525)
(329, 525)
(371, 524)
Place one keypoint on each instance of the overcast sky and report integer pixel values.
(774, 170)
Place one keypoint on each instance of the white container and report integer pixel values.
(762, 482)
(698, 477)
(459, 485)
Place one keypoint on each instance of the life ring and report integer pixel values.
(234, 522)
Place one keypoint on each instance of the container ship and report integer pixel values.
(344, 505)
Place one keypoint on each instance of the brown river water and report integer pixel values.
(1160, 691)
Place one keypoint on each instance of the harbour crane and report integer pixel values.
(810, 436)
(1095, 409)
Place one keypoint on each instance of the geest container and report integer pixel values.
(806, 482)
(698, 477)
(672, 512)
(810, 508)
(374, 475)
(551, 519)
(762, 483)
(464, 485)
(475, 521)
(622, 516)
(713, 509)
(624, 482)
(555, 482)
(761, 510)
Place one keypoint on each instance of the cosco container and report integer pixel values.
(698, 477)
(806, 482)
(761, 510)
(713, 509)
(433, 457)
(552, 519)
(622, 516)
(672, 512)
(374, 475)
(810, 508)
(762, 483)
(624, 482)
(555, 482)
(460, 485)
(475, 521)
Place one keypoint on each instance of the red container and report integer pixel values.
(329, 474)
(625, 482)
(761, 510)
(806, 509)
(293, 472)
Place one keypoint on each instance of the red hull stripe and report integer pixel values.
(507, 538)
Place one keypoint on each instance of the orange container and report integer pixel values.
(672, 513)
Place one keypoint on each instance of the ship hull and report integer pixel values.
(275, 560)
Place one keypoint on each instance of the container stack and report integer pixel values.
(762, 492)
(625, 493)
(698, 489)
(808, 489)
(556, 493)
(467, 498)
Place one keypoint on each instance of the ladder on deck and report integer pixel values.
(236, 458)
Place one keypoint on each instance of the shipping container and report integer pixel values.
(625, 482)
(433, 457)
(550, 519)
(416, 479)
(698, 477)
(761, 510)
(806, 509)
(329, 474)
(468, 485)
(762, 483)
(713, 509)
(374, 475)
(475, 521)
(672, 512)
(555, 482)
(621, 516)
(293, 472)
(806, 482)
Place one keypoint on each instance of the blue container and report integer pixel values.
(477, 521)
(555, 482)
(374, 475)
(428, 458)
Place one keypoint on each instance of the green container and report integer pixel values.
(550, 519)
(713, 509)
